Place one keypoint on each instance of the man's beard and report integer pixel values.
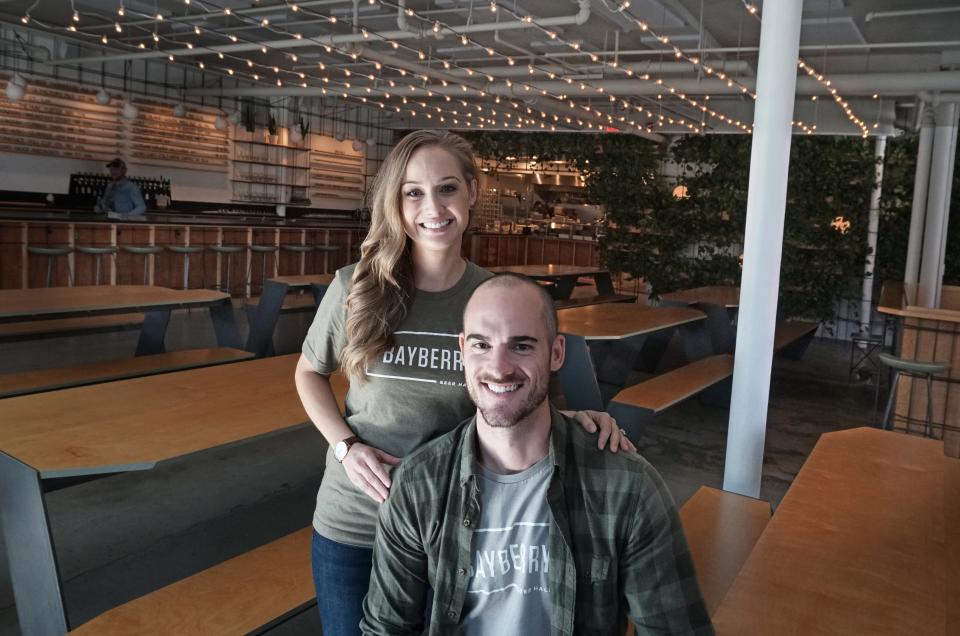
(515, 414)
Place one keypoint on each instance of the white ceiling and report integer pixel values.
(896, 49)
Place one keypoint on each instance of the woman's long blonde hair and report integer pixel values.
(383, 279)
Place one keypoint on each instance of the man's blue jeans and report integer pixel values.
(341, 574)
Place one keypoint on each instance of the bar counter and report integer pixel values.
(927, 334)
(314, 244)
(334, 236)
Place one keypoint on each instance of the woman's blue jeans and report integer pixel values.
(341, 574)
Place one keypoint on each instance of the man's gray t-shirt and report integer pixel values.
(509, 592)
(414, 392)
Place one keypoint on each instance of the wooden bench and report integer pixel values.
(599, 299)
(25, 383)
(793, 337)
(239, 596)
(721, 528)
(292, 303)
(634, 406)
(34, 329)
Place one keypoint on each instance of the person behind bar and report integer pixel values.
(515, 520)
(121, 197)
(390, 323)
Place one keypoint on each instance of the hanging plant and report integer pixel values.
(304, 128)
(272, 125)
(247, 117)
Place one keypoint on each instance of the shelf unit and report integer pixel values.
(59, 120)
(159, 138)
(266, 172)
(337, 175)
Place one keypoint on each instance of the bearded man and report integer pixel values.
(515, 520)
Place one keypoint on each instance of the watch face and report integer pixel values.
(340, 450)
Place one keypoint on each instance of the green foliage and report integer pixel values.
(679, 243)
(895, 210)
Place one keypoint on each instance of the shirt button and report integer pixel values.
(461, 571)
(451, 615)
(466, 522)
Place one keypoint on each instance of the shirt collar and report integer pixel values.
(470, 456)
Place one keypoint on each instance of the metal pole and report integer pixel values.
(941, 176)
(921, 185)
(763, 243)
(946, 204)
(870, 263)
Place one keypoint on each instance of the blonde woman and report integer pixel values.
(390, 322)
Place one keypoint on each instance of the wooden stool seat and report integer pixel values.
(97, 251)
(51, 252)
(300, 249)
(911, 368)
(186, 250)
(229, 250)
(145, 251)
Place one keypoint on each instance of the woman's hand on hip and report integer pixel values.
(606, 426)
(364, 467)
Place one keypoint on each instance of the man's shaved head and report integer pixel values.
(538, 294)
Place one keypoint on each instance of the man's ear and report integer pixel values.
(461, 339)
(558, 351)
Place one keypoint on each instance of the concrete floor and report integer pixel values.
(122, 536)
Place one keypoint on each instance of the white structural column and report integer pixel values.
(921, 184)
(870, 264)
(938, 203)
(763, 244)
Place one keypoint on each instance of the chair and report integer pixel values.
(327, 250)
(97, 252)
(229, 250)
(263, 250)
(186, 250)
(52, 253)
(146, 251)
(916, 369)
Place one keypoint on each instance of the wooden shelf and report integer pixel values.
(269, 145)
(270, 183)
(267, 163)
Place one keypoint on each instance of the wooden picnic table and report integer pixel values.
(46, 303)
(726, 296)
(117, 427)
(865, 541)
(604, 341)
(263, 320)
(564, 277)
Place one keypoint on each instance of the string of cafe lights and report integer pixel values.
(753, 10)
(408, 107)
(701, 106)
(255, 76)
(439, 27)
(448, 64)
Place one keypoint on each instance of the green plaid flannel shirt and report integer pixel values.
(617, 546)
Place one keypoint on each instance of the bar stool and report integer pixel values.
(229, 250)
(327, 250)
(145, 251)
(263, 250)
(915, 369)
(97, 252)
(186, 250)
(51, 253)
(298, 249)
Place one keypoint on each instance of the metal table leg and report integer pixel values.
(153, 332)
(577, 377)
(34, 571)
(224, 324)
(260, 340)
